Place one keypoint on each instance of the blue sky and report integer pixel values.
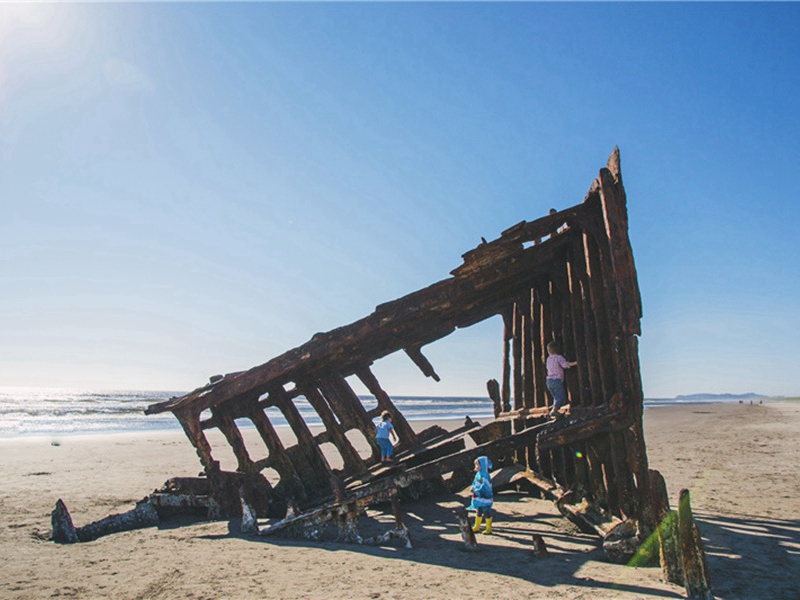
(189, 189)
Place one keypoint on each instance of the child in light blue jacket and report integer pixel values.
(482, 498)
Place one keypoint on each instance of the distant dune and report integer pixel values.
(746, 396)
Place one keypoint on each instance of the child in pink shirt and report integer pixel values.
(555, 376)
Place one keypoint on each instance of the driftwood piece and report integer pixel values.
(697, 579)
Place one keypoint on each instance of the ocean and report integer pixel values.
(51, 412)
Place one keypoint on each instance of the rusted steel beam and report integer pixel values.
(583, 512)
(352, 460)
(539, 342)
(615, 213)
(419, 318)
(591, 362)
(528, 374)
(190, 422)
(599, 317)
(508, 334)
(622, 476)
(575, 308)
(571, 432)
(415, 354)
(493, 389)
(228, 427)
(516, 353)
(315, 467)
(336, 389)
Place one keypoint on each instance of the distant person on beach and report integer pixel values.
(555, 376)
(385, 429)
(561, 228)
(482, 498)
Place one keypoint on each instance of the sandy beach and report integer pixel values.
(739, 461)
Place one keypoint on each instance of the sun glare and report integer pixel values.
(32, 34)
(24, 18)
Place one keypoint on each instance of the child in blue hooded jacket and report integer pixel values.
(482, 498)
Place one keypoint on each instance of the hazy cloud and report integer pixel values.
(125, 74)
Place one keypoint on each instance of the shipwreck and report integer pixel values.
(568, 277)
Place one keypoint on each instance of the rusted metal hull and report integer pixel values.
(568, 277)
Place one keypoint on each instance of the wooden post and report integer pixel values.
(493, 389)
(467, 535)
(690, 547)
(539, 547)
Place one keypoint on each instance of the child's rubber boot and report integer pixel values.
(478, 521)
(488, 526)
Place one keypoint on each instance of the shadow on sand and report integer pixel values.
(507, 552)
(752, 557)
